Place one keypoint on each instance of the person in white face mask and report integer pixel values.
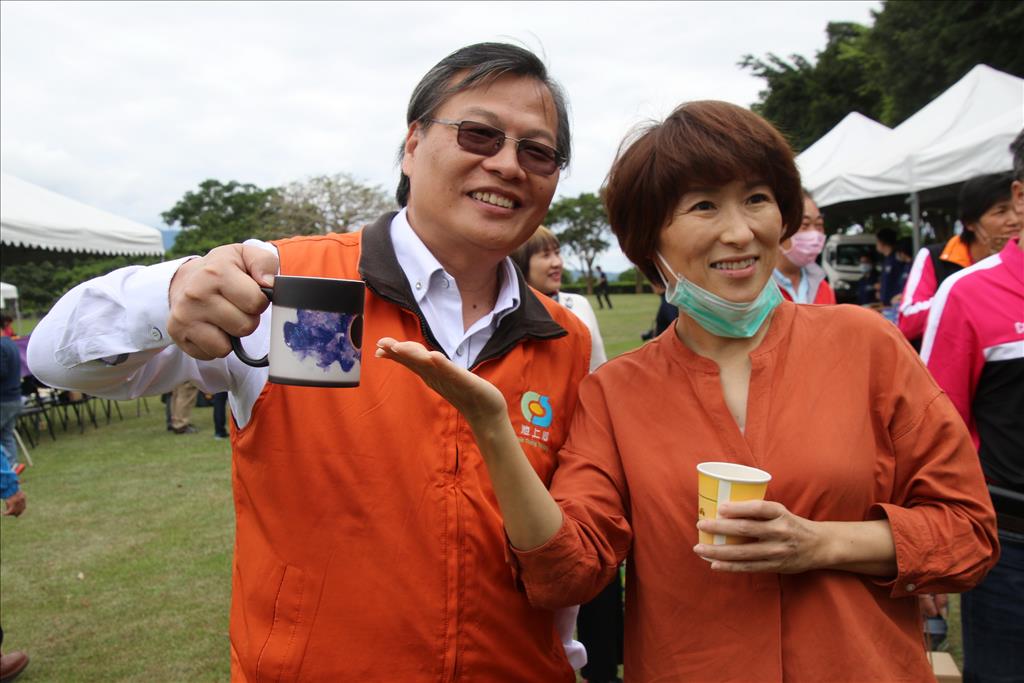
(876, 492)
(799, 277)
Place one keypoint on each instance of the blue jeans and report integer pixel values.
(9, 411)
(992, 616)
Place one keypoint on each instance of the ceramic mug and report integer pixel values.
(316, 332)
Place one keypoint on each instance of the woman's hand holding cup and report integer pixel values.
(784, 543)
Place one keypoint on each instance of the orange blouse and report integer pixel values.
(850, 424)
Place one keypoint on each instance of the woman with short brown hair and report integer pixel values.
(876, 493)
(540, 261)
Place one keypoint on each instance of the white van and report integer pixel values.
(841, 261)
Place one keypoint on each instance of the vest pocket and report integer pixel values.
(281, 655)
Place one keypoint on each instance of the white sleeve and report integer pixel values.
(565, 625)
(585, 311)
(108, 337)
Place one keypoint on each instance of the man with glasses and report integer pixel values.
(369, 542)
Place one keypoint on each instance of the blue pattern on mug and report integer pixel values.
(325, 336)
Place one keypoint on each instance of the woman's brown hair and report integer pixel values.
(700, 144)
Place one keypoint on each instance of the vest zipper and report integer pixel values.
(427, 334)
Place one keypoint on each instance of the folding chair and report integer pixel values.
(78, 402)
(23, 448)
(34, 412)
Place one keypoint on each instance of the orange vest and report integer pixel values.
(369, 544)
(957, 251)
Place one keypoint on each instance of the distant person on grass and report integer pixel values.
(10, 397)
(602, 289)
(15, 502)
(369, 542)
(6, 325)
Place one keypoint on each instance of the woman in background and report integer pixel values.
(540, 260)
(800, 279)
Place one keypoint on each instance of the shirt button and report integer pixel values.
(419, 285)
(911, 587)
(458, 351)
(445, 283)
(156, 334)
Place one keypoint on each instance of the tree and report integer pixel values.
(324, 204)
(44, 275)
(220, 213)
(912, 53)
(632, 276)
(580, 224)
(922, 48)
(805, 100)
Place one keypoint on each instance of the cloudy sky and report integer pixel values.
(126, 106)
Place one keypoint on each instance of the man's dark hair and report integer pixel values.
(887, 236)
(482, 63)
(978, 195)
(905, 246)
(1017, 150)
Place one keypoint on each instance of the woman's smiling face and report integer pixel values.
(724, 239)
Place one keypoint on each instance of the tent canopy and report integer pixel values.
(31, 216)
(962, 133)
(841, 146)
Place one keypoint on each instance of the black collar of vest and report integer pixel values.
(379, 268)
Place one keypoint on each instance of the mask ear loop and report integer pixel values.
(667, 268)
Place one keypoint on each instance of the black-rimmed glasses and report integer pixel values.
(479, 138)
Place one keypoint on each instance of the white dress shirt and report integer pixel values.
(438, 297)
(108, 336)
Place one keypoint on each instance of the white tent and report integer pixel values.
(840, 147)
(961, 133)
(31, 216)
(7, 293)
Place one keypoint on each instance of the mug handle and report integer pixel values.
(236, 343)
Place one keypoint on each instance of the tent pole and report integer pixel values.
(915, 216)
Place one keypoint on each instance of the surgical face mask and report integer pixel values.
(865, 268)
(719, 316)
(805, 247)
(994, 243)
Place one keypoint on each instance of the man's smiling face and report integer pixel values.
(468, 204)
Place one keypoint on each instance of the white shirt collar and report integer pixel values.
(424, 271)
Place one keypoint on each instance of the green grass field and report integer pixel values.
(120, 569)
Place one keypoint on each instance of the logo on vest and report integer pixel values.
(537, 411)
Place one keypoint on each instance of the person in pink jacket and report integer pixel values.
(974, 347)
(988, 220)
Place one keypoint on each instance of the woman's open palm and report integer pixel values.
(473, 396)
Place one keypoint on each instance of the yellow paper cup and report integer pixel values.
(723, 482)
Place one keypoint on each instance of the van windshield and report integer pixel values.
(850, 254)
